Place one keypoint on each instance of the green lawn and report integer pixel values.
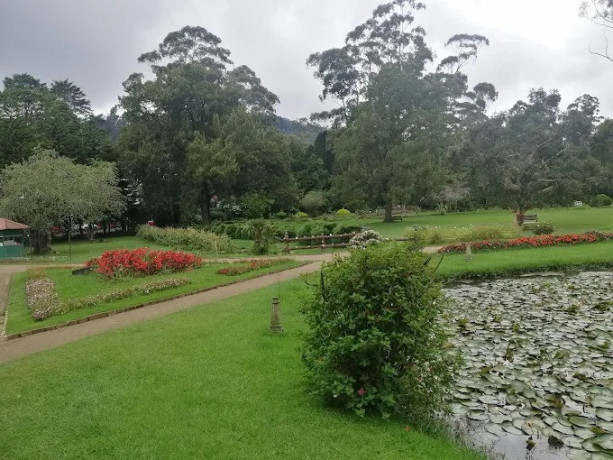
(208, 382)
(565, 220)
(70, 286)
(508, 261)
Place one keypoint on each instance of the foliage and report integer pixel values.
(313, 202)
(281, 215)
(240, 268)
(343, 212)
(365, 239)
(188, 239)
(601, 201)
(301, 215)
(143, 262)
(48, 189)
(540, 228)
(532, 241)
(438, 235)
(262, 234)
(208, 132)
(374, 343)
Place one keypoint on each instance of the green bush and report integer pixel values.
(302, 215)
(601, 200)
(375, 343)
(262, 234)
(440, 235)
(540, 228)
(343, 212)
(313, 202)
(281, 215)
(186, 239)
(349, 229)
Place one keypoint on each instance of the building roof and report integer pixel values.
(7, 224)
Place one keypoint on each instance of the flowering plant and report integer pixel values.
(143, 261)
(531, 241)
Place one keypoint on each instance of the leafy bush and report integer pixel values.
(364, 239)
(539, 228)
(281, 215)
(302, 215)
(187, 239)
(349, 229)
(438, 235)
(375, 344)
(601, 200)
(142, 262)
(313, 202)
(262, 234)
(343, 212)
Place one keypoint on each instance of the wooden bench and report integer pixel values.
(530, 219)
(396, 218)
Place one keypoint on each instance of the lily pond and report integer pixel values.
(537, 380)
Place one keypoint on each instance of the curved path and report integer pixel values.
(23, 346)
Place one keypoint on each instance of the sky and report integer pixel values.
(534, 43)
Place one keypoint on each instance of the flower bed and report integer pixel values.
(252, 265)
(41, 297)
(531, 241)
(142, 262)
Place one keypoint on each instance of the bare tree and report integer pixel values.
(600, 12)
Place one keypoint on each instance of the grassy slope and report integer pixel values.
(69, 286)
(208, 382)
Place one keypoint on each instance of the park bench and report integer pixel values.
(530, 219)
(396, 218)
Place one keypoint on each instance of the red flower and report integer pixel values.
(361, 391)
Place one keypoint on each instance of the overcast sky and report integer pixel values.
(95, 43)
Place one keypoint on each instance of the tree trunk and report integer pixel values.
(39, 240)
(205, 206)
(388, 213)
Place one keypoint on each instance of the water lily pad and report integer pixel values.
(478, 416)
(495, 429)
(605, 414)
(605, 442)
(572, 441)
(582, 422)
(511, 429)
(563, 429)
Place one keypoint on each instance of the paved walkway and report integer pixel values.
(27, 345)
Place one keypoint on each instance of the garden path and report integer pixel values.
(27, 345)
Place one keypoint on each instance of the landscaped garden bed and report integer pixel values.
(67, 297)
(530, 241)
(538, 362)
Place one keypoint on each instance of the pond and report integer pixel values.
(537, 380)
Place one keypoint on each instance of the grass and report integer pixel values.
(512, 261)
(208, 381)
(70, 286)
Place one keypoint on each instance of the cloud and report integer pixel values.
(96, 44)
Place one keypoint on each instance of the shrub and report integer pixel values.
(187, 239)
(364, 239)
(601, 200)
(349, 229)
(313, 202)
(438, 235)
(142, 261)
(343, 212)
(262, 233)
(281, 215)
(539, 228)
(240, 268)
(302, 215)
(375, 344)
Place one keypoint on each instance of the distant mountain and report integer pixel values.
(302, 128)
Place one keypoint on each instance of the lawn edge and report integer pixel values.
(117, 311)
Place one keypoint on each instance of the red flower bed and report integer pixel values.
(142, 261)
(531, 242)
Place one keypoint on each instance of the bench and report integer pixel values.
(530, 219)
(396, 218)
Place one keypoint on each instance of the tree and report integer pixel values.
(47, 189)
(600, 12)
(199, 128)
(395, 117)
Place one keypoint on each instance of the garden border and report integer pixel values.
(135, 307)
